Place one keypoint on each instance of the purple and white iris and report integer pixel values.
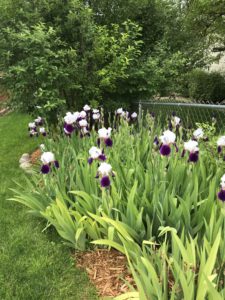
(221, 144)
(96, 153)
(221, 193)
(176, 121)
(48, 159)
(70, 122)
(198, 134)
(42, 131)
(104, 135)
(134, 116)
(83, 123)
(33, 132)
(39, 121)
(32, 125)
(104, 172)
(82, 115)
(192, 147)
(96, 116)
(167, 139)
(120, 112)
(86, 108)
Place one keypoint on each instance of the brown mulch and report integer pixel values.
(105, 269)
(35, 156)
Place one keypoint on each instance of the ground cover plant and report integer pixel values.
(33, 264)
(155, 194)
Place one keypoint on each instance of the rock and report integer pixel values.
(25, 165)
(25, 158)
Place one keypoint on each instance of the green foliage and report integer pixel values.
(204, 86)
(149, 195)
(65, 54)
(33, 264)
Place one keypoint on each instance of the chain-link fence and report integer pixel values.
(190, 113)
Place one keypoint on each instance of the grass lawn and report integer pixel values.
(33, 264)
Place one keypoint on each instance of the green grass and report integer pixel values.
(33, 264)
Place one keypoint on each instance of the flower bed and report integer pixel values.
(155, 195)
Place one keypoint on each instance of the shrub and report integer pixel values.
(205, 86)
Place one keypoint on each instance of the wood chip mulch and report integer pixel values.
(34, 157)
(105, 269)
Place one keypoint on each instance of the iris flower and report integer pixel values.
(48, 159)
(86, 108)
(198, 134)
(70, 121)
(221, 143)
(167, 139)
(42, 131)
(176, 121)
(104, 172)
(133, 115)
(192, 147)
(221, 194)
(96, 116)
(104, 134)
(96, 153)
(39, 121)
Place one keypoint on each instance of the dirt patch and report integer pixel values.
(106, 269)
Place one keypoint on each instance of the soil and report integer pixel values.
(107, 269)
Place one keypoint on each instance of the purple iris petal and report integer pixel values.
(98, 142)
(45, 169)
(183, 153)
(108, 142)
(219, 149)
(69, 128)
(105, 181)
(173, 114)
(97, 175)
(165, 150)
(193, 157)
(176, 147)
(170, 126)
(221, 195)
(56, 163)
(102, 157)
(79, 119)
(156, 141)
(44, 133)
(90, 160)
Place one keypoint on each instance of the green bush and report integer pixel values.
(58, 56)
(205, 86)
